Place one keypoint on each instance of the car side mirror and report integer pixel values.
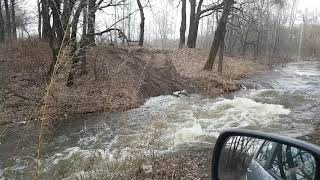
(250, 155)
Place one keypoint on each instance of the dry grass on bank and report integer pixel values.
(22, 78)
(190, 62)
(118, 78)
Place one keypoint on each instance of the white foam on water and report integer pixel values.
(212, 118)
(267, 93)
(187, 124)
(188, 133)
(160, 102)
(242, 112)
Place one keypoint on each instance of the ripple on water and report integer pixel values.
(186, 125)
(168, 123)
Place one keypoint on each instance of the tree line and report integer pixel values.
(255, 28)
(8, 25)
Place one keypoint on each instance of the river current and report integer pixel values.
(283, 101)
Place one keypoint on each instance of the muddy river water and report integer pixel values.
(284, 101)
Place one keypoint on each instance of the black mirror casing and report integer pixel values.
(224, 136)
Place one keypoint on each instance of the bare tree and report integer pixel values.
(84, 40)
(39, 19)
(194, 23)
(46, 28)
(164, 29)
(13, 20)
(73, 43)
(196, 13)
(58, 32)
(141, 36)
(219, 34)
(8, 20)
(57, 23)
(221, 53)
(2, 25)
(91, 21)
(183, 25)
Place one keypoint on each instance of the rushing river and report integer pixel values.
(284, 101)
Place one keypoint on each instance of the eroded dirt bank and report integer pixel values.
(118, 79)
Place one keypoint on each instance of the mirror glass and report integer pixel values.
(247, 158)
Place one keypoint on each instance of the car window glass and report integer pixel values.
(265, 153)
(293, 163)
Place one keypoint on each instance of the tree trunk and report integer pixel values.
(39, 19)
(191, 24)
(257, 46)
(196, 26)
(57, 25)
(54, 33)
(221, 54)
(1, 24)
(91, 22)
(66, 13)
(68, 6)
(73, 43)
(193, 33)
(141, 36)
(244, 44)
(183, 25)
(194, 23)
(46, 28)
(219, 34)
(129, 22)
(83, 44)
(13, 21)
(8, 20)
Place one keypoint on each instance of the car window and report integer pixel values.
(265, 153)
(292, 163)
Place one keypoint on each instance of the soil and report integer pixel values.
(118, 79)
(181, 165)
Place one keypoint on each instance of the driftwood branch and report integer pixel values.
(110, 29)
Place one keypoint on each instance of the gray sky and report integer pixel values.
(157, 12)
(309, 4)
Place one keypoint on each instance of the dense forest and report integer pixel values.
(67, 64)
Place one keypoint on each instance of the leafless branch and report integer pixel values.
(20, 96)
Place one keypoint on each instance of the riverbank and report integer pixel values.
(138, 143)
(118, 79)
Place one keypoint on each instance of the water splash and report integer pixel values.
(171, 123)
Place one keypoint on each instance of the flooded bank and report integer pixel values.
(283, 101)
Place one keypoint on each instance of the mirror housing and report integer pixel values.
(227, 134)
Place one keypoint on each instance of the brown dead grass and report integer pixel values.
(190, 62)
(180, 165)
(22, 73)
(118, 79)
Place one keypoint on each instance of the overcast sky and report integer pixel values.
(309, 4)
(157, 12)
(303, 4)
